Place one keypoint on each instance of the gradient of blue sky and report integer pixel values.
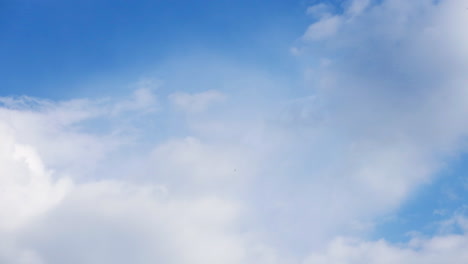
(279, 132)
(55, 43)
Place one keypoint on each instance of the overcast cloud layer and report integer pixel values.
(240, 169)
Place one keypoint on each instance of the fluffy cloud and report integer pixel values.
(392, 92)
(442, 249)
(120, 223)
(51, 213)
(386, 88)
(27, 187)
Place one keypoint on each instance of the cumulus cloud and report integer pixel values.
(27, 187)
(120, 223)
(390, 104)
(443, 249)
(390, 65)
(51, 213)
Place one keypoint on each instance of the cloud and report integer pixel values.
(324, 28)
(192, 164)
(382, 88)
(143, 99)
(266, 178)
(357, 7)
(319, 10)
(120, 223)
(329, 24)
(377, 129)
(27, 187)
(442, 249)
(195, 103)
(52, 213)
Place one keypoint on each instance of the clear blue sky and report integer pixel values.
(47, 45)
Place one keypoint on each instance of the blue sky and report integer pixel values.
(266, 132)
(56, 43)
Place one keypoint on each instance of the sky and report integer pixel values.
(266, 132)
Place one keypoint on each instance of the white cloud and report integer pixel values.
(55, 131)
(26, 186)
(384, 92)
(329, 24)
(450, 248)
(447, 249)
(142, 100)
(256, 182)
(120, 223)
(357, 7)
(196, 103)
(326, 27)
(319, 10)
(380, 123)
(47, 219)
(188, 162)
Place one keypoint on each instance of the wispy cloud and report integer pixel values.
(193, 103)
